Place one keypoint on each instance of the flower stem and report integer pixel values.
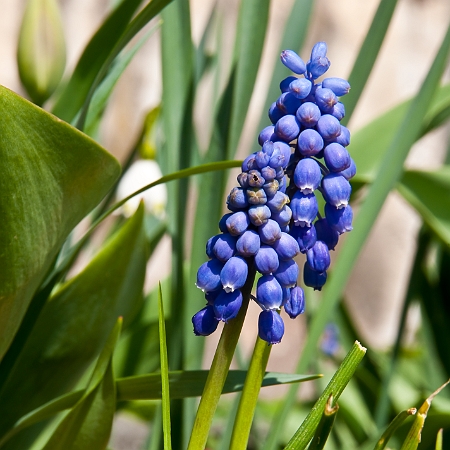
(219, 370)
(252, 386)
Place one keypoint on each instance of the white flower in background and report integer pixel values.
(141, 173)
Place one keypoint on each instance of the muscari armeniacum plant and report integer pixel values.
(274, 214)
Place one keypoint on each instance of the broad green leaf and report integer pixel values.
(92, 59)
(51, 177)
(88, 425)
(368, 54)
(429, 194)
(370, 143)
(74, 324)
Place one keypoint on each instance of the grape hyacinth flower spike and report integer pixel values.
(274, 214)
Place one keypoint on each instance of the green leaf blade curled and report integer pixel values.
(75, 322)
(51, 176)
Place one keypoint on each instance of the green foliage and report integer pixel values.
(61, 309)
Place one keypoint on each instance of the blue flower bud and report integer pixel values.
(287, 128)
(284, 85)
(227, 305)
(210, 246)
(259, 215)
(318, 257)
(225, 247)
(271, 188)
(339, 219)
(336, 157)
(266, 260)
(208, 275)
(319, 50)
(288, 103)
(325, 99)
(286, 247)
(295, 305)
(211, 296)
(350, 172)
(266, 134)
(286, 228)
(344, 137)
(300, 87)
(242, 179)
(234, 274)
(307, 175)
(338, 111)
(256, 196)
(277, 202)
(255, 178)
(248, 243)
(205, 321)
(269, 232)
(268, 148)
(338, 85)
(304, 209)
(287, 273)
(237, 198)
(268, 292)
(306, 237)
(268, 173)
(293, 62)
(326, 234)
(223, 222)
(313, 279)
(249, 163)
(286, 294)
(282, 184)
(328, 127)
(283, 217)
(262, 159)
(308, 114)
(318, 66)
(309, 142)
(281, 155)
(275, 113)
(237, 223)
(270, 327)
(336, 190)
(330, 340)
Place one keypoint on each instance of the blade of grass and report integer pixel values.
(390, 171)
(325, 426)
(335, 387)
(399, 419)
(367, 55)
(164, 374)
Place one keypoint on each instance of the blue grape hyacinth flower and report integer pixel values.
(274, 213)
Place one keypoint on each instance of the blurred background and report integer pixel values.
(377, 288)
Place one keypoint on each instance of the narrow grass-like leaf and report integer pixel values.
(103, 93)
(439, 439)
(250, 34)
(151, 10)
(413, 438)
(51, 176)
(337, 384)
(390, 430)
(88, 425)
(165, 391)
(293, 38)
(389, 173)
(429, 194)
(74, 324)
(325, 426)
(92, 59)
(247, 405)
(367, 55)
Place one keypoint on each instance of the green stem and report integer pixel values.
(252, 386)
(325, 425)
(399, 419)
(219, 370)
